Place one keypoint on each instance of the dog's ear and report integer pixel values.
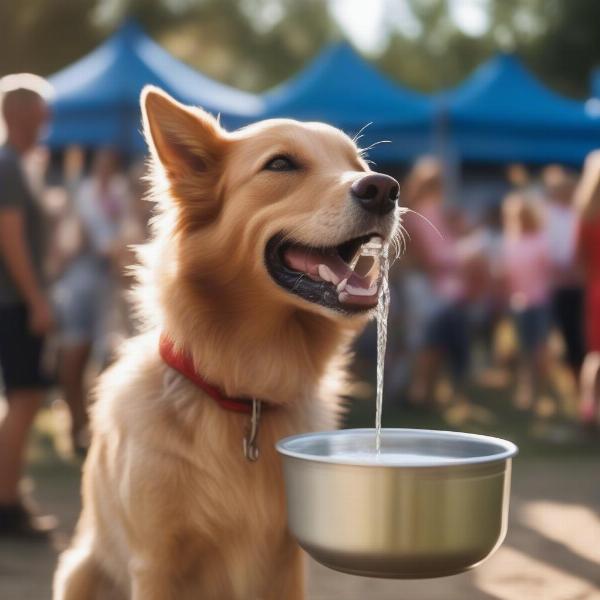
(185, 140)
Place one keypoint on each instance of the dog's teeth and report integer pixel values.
(327, 274)
(324, 272)
(342, 285)
(343, 296)
(371, 291)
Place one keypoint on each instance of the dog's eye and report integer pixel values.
(280, 163)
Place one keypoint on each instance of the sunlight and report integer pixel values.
(512, 574)
(557, 521)
(361, 21)
(471, 16)
(368, 24)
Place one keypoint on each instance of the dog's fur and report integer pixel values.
(171, 508)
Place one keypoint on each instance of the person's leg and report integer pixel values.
(25, 383)
(459, 349)
(73, 360)
(75, 300)
(14, 432)
(424, 377)
(541, 321)
(541, 383)
(16, 516)
(427, 361)
(568, 314)
(589, 406)
(524, 389)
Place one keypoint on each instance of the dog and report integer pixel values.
(251, 297)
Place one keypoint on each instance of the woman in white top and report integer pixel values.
(84, 291)
(567, 287)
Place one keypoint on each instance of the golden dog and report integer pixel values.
(250, 281)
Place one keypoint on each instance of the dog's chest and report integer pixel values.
(235, 490)
(236, 519)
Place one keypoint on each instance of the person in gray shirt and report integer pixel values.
(25, 313)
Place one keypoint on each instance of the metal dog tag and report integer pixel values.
(251, 451)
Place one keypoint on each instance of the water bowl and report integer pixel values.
(431, 504)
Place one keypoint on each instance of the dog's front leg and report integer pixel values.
(288, 582)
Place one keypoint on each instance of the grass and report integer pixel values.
(490, 411)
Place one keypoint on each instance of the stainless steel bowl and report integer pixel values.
(433, 503)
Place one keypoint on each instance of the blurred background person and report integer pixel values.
(588, 252)
(436, 289)
(527, 274)
(481, 252)
(25, 311)
(519, 178)
(93, 239)
(136, 230)
(567, 291)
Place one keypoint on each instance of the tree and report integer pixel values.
(42, 36)
(558, 39)
(255, 44)
(569, 47)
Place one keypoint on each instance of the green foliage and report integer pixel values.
(43, 36)
(255, 44)
(569, 48)
(558, 39)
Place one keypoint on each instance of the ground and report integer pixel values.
(552, 550)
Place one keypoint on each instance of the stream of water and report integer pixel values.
(383, 306)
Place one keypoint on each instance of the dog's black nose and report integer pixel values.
(376, 193)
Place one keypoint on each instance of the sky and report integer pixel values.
(367, 22)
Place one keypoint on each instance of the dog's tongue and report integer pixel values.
(352, 287)
(308, 261)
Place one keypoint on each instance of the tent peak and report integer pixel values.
(341, 46)
(506, 61)
(343, 50)
(129, 30)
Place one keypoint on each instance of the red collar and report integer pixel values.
(183, 363)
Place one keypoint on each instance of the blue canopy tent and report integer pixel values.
(501, 113)
(97, 97)
(596, 83)
(592, 105)
(340, 88)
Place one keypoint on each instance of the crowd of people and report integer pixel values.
(531, 258)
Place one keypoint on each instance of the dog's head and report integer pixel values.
(278, 210)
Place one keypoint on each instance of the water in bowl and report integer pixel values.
(396, 459)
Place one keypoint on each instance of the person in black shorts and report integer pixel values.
(25, 314)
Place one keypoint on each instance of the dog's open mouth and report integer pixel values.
(344, 277)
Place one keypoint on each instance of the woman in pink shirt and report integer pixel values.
(527, 270)
(438, 269)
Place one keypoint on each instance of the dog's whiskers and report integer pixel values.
(399, 243)
(359, 133)
(363, 152)
(414, 212)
